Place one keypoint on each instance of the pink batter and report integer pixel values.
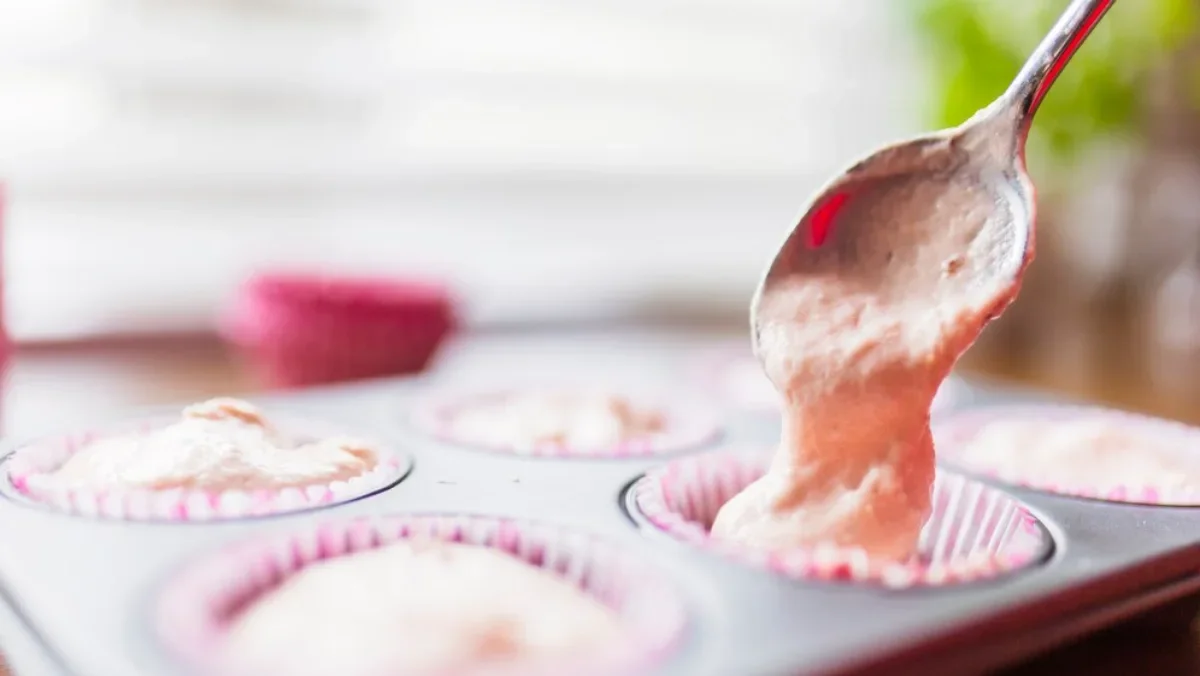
(568, 419)
(419, 608)
(1084, 453)
(220, 444)
(857, 359)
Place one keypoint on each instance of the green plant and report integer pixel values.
(975, 47)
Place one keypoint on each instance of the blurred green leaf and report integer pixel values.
(974, 48)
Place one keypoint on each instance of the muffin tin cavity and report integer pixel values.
(28, 476)
(198, 606)
(975, 532)
(1077, 451)
(565, 422)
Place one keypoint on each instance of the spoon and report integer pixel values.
(911, 210)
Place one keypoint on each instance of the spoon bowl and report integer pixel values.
(949, 211)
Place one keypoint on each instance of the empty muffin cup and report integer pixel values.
(975, 532)
(31, 473)
(1078, 451)
(212, 614)
(566, 422)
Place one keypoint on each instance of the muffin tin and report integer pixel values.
(86, 596)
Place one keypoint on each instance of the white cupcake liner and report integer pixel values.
(688, 426)
(29, 475)
(737, 379)
(975, 532)
(197, 607)
(952, 434)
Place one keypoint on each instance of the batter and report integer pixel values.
(220, 444)
(1084, 453)
(569, 420)
(857, 356)
(418, 608)
(745, 381)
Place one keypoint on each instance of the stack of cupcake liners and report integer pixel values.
(298, 330)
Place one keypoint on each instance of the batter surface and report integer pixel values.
(1083, 453)
(221, 444)
(567, 419)
(418, 608)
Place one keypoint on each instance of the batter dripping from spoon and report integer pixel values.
(858, 343)
(890, 275)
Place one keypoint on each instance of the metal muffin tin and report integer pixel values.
(79, 592)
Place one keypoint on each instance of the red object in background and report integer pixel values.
(301, 330)
(5, 343)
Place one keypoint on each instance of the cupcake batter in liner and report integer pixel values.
(678, 426)
(199, 609)
(1077, 451)
(975, 532)
(30, 475)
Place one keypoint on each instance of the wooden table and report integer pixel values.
(51, 386)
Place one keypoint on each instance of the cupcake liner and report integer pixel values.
(27, 472)
(975, 532)
(688, 426)
(951, 436)
(303, 330)
(738, 379)
(197, 608)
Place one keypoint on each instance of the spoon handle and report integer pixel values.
(1050, 57)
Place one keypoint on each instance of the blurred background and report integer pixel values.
(553, 163)
(616, 161)
(559, 162)
(602, 160)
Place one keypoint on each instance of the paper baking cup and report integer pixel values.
(28, 472)
(197, 608)
(951, 436)
(308, 329)
(975, 532)
(738, 380)
(687, 426)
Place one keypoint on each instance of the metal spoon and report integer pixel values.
(891, 213)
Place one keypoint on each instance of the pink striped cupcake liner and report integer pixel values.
(974, 533)
(953, 435)
(30, 476)
(738, 379)
(306, 329)
(197, 608)
(688, 426)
